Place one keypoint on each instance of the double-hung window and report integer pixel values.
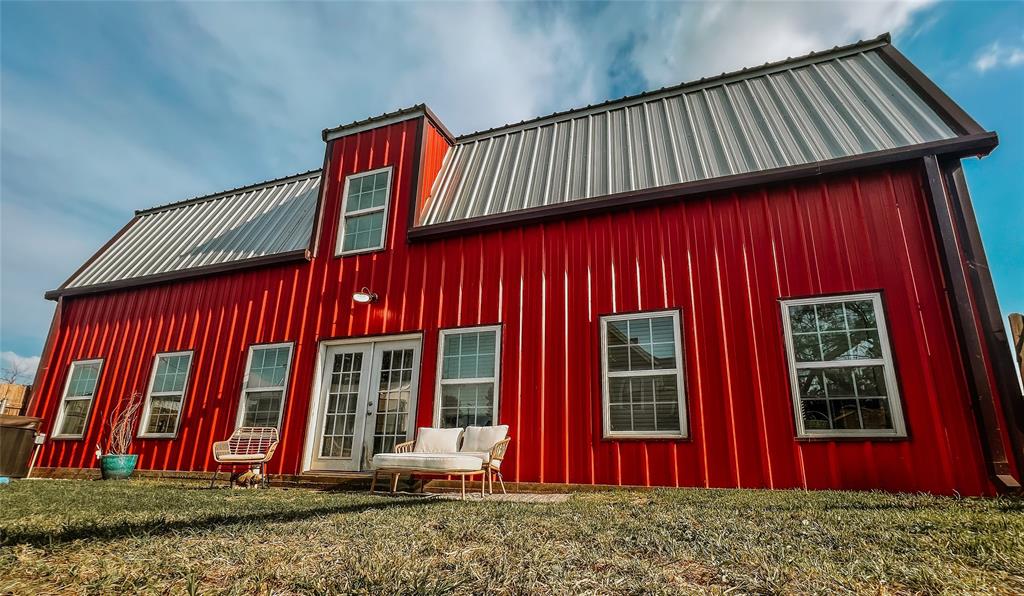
(364, 212)
(642, 380)
(841, 367)
(265, 385)
(467, 379)
(166, 395)
(77, 402)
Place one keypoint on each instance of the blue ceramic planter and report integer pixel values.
(117, 467)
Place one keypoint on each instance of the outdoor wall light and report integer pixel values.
(365, 296)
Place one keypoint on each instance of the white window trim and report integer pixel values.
(147, 407)
(340, 242)
(283, 388)
(496, 379)
(59, 423)
(886, 361)
(606, 423)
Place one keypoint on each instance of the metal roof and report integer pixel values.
(231, 227)
(845, 102)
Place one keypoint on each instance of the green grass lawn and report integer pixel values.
(102, 537)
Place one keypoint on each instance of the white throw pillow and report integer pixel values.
(482, 438)
(437, 440)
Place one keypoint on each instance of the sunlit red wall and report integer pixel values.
(725, 260)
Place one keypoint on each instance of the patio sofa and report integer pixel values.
(473, 451)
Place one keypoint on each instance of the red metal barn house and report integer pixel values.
(771, 278)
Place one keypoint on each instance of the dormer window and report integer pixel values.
(364, 212)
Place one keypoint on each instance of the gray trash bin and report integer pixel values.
(17, 439)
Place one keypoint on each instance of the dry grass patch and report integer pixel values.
(147, 536)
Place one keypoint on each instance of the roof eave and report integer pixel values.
(274, 259)
(387, 119)
(976, 145)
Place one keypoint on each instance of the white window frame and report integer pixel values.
(496, 379)
(147, 408)
(64, 399)
(606, 423)
(887, 363)
(282, 388)
(386, 208)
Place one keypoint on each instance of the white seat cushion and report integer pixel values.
(437, 440)
(247, 457)
(483, 438)
(484, 456)
(428, 462)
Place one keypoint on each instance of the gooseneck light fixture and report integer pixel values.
(365, 296)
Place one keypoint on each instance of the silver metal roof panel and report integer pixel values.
(832, 105)
(267, 219)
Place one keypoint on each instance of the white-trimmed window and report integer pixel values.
(79, 391)
(841, 368)
(166, 394)
(265, 385)
(643, 395)
(467, 377)
(364, 212)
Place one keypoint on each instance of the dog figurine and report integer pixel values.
(251, 478)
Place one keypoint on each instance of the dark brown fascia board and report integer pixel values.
(438, 124)
(47, 354)
(284, 257)
(979, 144)
(417, 176)
(387, 119)
(955, 116)
(314, 234)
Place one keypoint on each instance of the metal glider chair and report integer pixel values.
(249, 446)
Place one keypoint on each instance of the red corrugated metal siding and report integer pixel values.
(435, 146)
(723, 260)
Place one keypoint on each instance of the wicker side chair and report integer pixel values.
(493, 464)
(249, 446)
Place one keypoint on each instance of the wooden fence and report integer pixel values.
(14, 399)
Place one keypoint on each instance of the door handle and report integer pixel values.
(369, 408)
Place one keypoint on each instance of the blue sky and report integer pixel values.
(106, 108)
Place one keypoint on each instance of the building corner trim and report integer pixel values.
(947, 210)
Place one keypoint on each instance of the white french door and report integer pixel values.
(367, 402)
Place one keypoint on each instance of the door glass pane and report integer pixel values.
(394, 392)
(342, 406)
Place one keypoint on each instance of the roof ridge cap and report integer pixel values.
(223, 193)
(880, 40)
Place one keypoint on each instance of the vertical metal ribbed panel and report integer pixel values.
(268, 219)
(723, 261)
(815, 110)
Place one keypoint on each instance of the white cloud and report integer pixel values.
(25, 366)
(694, 40)
(996, 56)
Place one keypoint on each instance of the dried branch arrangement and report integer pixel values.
(122, 425)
